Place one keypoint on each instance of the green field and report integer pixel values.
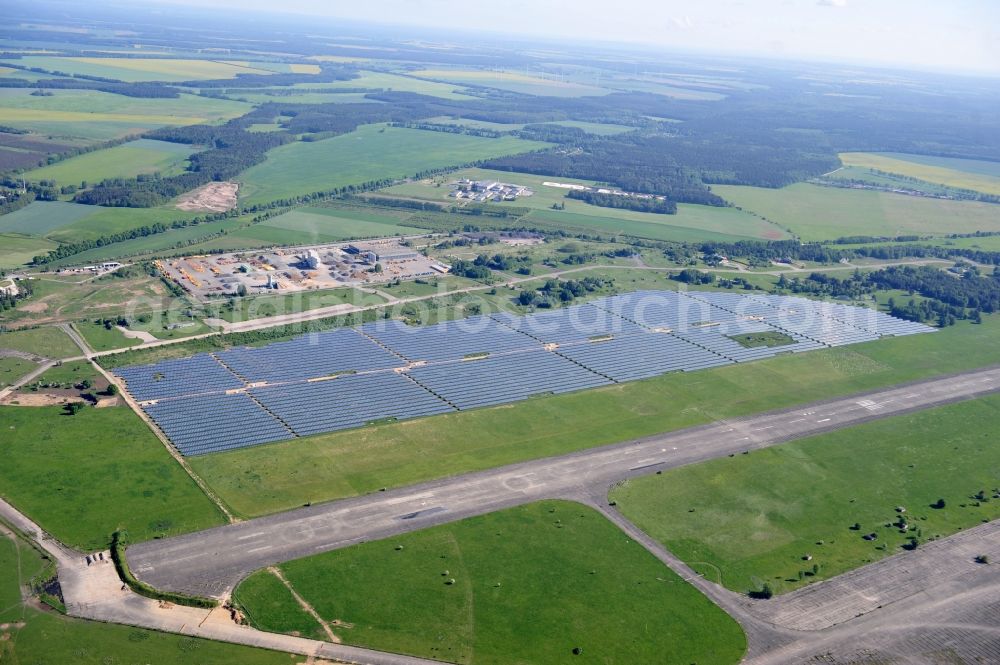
(157, 243)
(691, 223)
(69, 374)
(827, 213)
(105, 221)
(527, 84)
(598, 128)
(377, 81)
(99, 116)
(82, 477)
(101, 338)
(78, 297)
(751, 519)
(17, 250)
(143, 69)
(281, 476)
(124, 161)
(304, 226)
(255, 307)
(33, 635)
(46, 342)
(961, 173)
(530, 584)
(40, 218)
(12, 368)
(369, 153)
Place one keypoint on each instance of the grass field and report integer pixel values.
(598, 128)
(32, 635)
(144, 69)
(40, 218)
(320, 225)
(173, 239)
(691, 223)
(46, 342)
(82, 477)
(474, 124)
(827, 213)
(71, 373)
(962, 173)
(104, 221)
(513, 81)
(281, 476)
(752, 519)
(100, 338)
(376, 81)
(60, 299)
(99, 116)
(17, 250)
(12, 368)
(530, 585)
(129, 160)
(255, 307)
(369, 153)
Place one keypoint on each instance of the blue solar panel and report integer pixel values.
(172, 378)
(451, 340)
(348, 401)
(507, 378)
(213, 423)
(617, 338)
(571, 324)
(666, 310)
(310, 356)
(632, 357)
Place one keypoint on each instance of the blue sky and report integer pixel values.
(925, 34)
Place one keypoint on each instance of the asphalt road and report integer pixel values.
(212, 562)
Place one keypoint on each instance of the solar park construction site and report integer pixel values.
(350, 377)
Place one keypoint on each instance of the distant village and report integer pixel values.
(483, 191)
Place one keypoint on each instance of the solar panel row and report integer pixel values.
(507, 378)
(641, 356)
(348, 401)
(173, 378)
(576, 323)
(213, 423)
(309, 356)
(451, 340)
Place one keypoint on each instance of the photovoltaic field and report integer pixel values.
(352, 377)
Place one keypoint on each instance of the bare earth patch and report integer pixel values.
(213, 197)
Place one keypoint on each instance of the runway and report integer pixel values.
(212, 562)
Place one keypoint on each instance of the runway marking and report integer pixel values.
(761, 429)
(260, 549)
(251, 535)
(797, 420)
(404, 499)
(823, 420)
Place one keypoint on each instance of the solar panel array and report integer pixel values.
(348, 401)
(576, 323)
(508, 378)
(310, 356)
(632, 357)
(213, 423)
(451, 340)
(173, 378)
(387, 370)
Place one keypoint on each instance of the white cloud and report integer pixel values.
(831, 3)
